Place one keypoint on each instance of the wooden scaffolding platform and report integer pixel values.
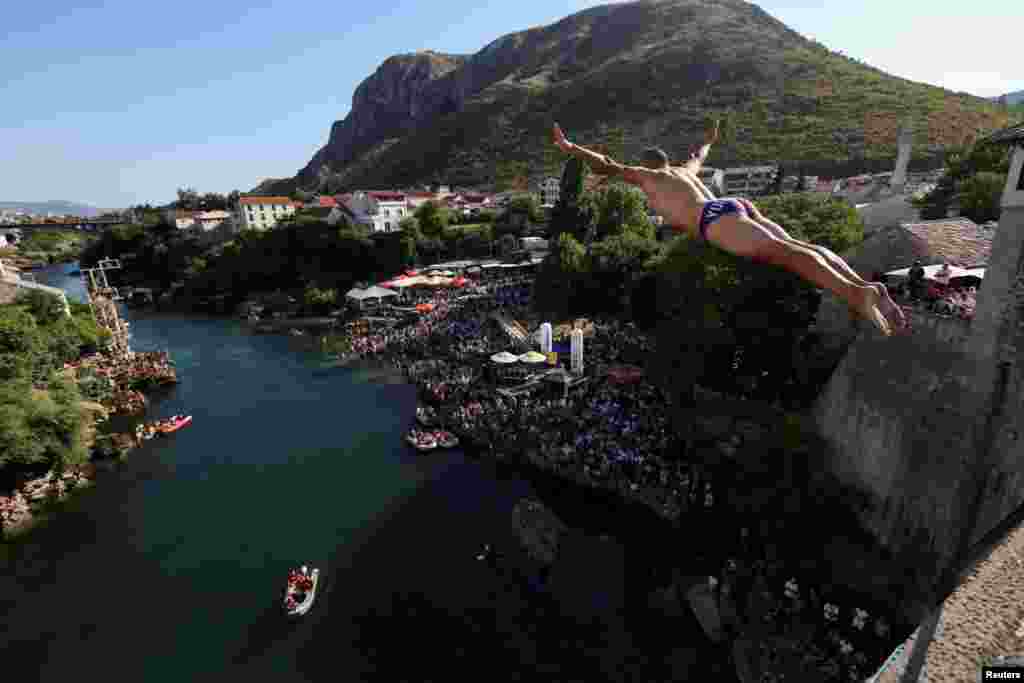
(103, 300)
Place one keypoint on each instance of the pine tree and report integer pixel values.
(573, 212)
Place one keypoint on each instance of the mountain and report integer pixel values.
(631, 75)
(55, 206)
(1012, 98)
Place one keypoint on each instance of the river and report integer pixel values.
(170, 568)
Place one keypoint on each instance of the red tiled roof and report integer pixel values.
(244, 201)
(386, 196)
(958, 241)
(328, 201)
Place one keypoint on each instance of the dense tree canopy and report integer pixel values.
(40, 418)
(978, 197)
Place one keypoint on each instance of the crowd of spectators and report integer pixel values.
(607, 434)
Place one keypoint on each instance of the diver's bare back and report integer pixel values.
(673, 197)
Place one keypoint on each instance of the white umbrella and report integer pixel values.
(533, 357)
(356, 293)
(504, 357)
(378, 292)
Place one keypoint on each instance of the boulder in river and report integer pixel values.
(539, 530)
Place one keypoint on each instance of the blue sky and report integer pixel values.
(118, 102)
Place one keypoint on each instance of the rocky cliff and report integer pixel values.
(637, 73)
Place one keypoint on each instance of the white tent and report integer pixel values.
(371, 293)
(931, 271)
(376, 292)
(504, 357)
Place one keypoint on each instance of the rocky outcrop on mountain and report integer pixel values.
(630, 75)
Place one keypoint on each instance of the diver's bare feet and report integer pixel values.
(868, 304)
(890, 309)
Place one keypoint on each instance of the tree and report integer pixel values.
(432, 218)
(832, 223)
(574, 211)
(320, 300)
(507, 174)
(621, 208)
(46, 308)
(980, 196)
(961, 164)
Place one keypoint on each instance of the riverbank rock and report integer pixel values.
(539, 530)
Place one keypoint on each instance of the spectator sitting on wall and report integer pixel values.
(916, 280)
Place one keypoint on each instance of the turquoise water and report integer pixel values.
(170, 569)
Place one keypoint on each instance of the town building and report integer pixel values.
(261, 213)
(748, 181)
(379, 211)
(549, 190)
(180, 218)
(417, 198)
(713, 179)
(208, 220)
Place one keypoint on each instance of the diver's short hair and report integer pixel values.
(655, 157)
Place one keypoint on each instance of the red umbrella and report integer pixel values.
(459, 281)
(412, 273)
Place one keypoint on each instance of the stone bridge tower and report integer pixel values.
(930, 424)
(904, 143)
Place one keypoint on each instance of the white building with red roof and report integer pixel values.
(262, 213)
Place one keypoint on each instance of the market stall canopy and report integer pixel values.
(931, 271)
(533, 357)
(436, 281)
(504, 357)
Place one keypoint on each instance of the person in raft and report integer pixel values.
(736, 226)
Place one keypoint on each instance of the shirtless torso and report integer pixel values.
(673, 195)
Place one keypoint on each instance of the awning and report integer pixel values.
(504, 357)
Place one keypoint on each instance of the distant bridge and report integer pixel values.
(82, 224)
